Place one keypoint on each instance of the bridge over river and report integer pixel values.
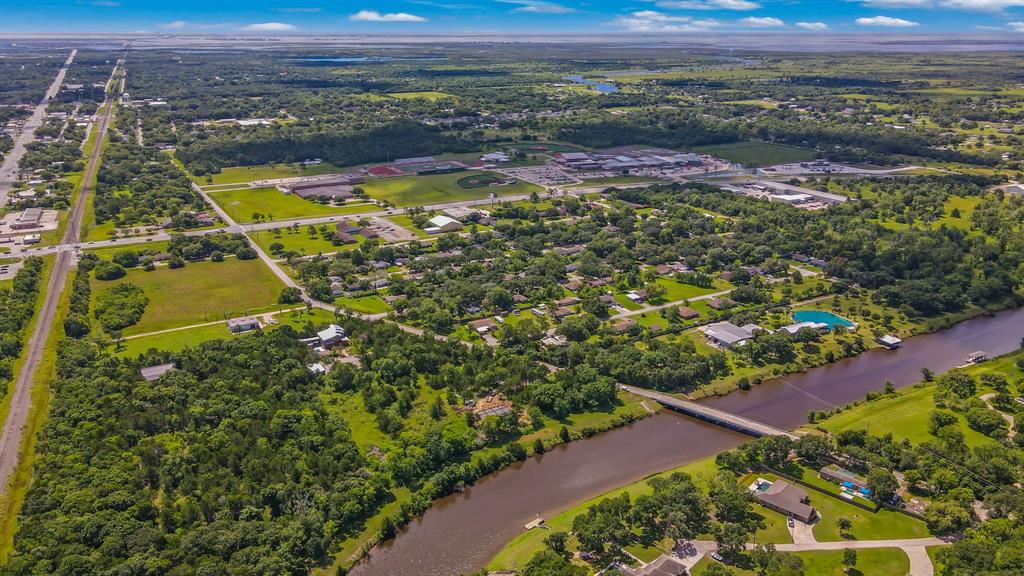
(712, 415)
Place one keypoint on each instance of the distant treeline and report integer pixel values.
(389, 141)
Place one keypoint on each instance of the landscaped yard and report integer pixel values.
(438, 188)
(200, 292)
(870, 562)
(242, 204)
(756, 153)
(905, 415)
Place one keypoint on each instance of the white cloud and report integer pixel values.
(374, 16)
(764, 22)
(1016, 26)
(652, 21)
(539, 7)
(269, 27)
(898, 3)
(708, 4)
(816, 26)
(176, 25)
(982, 5)
(886, 21)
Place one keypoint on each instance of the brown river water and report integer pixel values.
(462, 532)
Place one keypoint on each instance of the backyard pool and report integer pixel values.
(822, 317)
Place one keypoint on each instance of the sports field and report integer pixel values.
(242, 204)
(200, 292)
(756, 153)
(439, 188)
(243, 174)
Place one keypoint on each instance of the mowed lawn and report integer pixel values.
(756, 153)
(241, 204)
(200, 292)
(905, 415)
(439, 188)
(177, 340)
(243, 174)
(870, 562)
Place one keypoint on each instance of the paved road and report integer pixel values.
(915, 549)
(21, 400)
(9, 169)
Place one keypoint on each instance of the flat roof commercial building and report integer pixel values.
(29, 218)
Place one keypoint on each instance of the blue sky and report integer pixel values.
(496, 16)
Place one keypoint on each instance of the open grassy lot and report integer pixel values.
(242, 204)
(299, 240)
(180, 339)
(364, 304)
(242, 174)
(905, 415)
(438, 188)
(200, 292)
(756, 153)
(870, 562)
(614, 180)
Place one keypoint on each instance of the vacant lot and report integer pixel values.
(439, 188)
(200, 292)
(273, 204)
(757, 153)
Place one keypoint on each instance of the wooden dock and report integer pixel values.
(711, 415)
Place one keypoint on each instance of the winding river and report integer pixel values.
(460, 533)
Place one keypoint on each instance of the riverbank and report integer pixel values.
(828, 350)
(463, 532)
(406, 505)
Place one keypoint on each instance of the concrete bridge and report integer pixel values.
(711, 415)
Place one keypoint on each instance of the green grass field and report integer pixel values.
(364, 304)
(242, 174)
(299, 240)
(200, 292)
(273, 204)
(757, 153)
(180, 339)
(870, 562)
(438, 188)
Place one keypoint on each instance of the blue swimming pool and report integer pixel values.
(822, 317)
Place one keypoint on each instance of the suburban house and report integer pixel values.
(333, 335)
(784, 498)
(442, 224)
(721, 303)
(662, 566)
(483, 326)
(687, 313)
(151, 373)
(624, 326)
(729, 335)
(816, 326)
(244, 324)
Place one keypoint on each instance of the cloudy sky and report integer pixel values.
(495, 16)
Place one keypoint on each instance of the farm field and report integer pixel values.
(242, 204)
(200, 292)
(756, 153)
(438, 188)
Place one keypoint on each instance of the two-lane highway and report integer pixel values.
(9, 169)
